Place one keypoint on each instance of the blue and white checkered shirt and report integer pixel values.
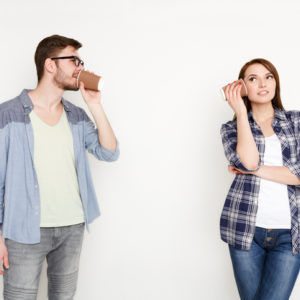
(238, 217)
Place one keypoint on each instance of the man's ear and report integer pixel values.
(50, 65)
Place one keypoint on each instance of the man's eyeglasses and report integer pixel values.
(77, 61)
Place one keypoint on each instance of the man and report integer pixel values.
(46, 191)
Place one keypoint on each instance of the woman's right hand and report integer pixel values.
(3, 256)
(234, 99)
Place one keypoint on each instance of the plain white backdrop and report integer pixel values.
(163, 63)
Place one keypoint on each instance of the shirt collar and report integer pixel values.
(28, 105)
(279, 115)
(25, 100)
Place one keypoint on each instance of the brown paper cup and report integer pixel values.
(90, 80)
(244, 91)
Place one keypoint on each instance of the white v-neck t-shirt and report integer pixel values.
(273, 201)
(54, 162)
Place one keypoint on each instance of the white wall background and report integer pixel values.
(163, 63)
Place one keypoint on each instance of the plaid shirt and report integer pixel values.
(238, 217)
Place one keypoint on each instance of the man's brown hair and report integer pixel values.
(49, 47)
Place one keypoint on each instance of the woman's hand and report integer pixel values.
(233, 96)
(234, 170)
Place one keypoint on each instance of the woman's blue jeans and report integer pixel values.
(268, 271)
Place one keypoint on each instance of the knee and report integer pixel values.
(62, 287)
(13, 292)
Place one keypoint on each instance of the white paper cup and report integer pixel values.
(244, 91)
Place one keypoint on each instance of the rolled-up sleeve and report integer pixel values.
(93, 145)
(229, 140)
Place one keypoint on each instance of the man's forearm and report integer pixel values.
(105, 133)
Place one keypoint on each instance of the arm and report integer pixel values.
(246, 147)
(278, 174)
(101, 142)
(105, 133)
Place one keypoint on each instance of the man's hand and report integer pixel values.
(3, 256)
(90, 97)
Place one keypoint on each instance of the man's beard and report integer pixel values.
(59, 81)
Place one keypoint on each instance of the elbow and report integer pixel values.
(108, 155)
(114, 157)
(251, 166)
(297, 182)
(250, 163)
(250, 159)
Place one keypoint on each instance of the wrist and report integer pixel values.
(258, 172)
(241, 114)
(94, 107)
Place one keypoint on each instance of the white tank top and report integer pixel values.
(273, 201)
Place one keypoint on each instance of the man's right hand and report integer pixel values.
(3, 256)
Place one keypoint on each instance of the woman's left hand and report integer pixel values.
(234, 170)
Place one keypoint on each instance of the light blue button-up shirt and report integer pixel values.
(19, 188)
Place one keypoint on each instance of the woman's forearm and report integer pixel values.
(278, 174)
(246, 146)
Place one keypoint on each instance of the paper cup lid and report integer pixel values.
(100, 84)
(78, 75)
(223, 94)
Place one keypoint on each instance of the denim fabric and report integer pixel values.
(19, 188)
(61, 246)
(268, 271)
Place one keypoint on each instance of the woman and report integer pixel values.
(261, 216)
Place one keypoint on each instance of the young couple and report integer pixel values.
(47, 195)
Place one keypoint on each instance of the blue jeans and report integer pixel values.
(268, 271)
(61, 246)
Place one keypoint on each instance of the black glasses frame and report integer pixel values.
(77, 61)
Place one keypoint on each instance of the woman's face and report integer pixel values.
(260, 83)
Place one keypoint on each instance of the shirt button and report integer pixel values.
(36, 212)
(36, 186)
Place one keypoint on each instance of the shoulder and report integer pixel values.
(11, 105)
(292, 114)
(77, 113)
(11, 111)
(228, 126)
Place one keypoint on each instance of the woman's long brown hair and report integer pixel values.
(276, 101)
